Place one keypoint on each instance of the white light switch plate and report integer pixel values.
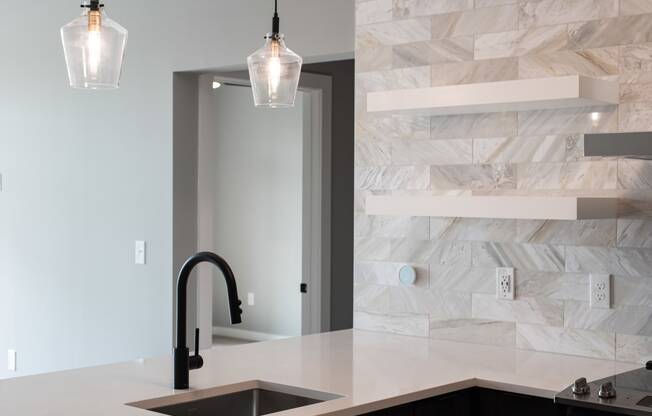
(251, 299)
(11, 360)
(140, 252)
(505, 283)
(600, 291)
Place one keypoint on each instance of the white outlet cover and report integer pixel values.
(505, 283)
(600, 291)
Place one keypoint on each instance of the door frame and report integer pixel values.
(316, 218)
(317, 203)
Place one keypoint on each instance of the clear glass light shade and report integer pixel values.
(274, 71)
(94, 46)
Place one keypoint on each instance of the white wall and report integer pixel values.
(87, 173)
(250, 204)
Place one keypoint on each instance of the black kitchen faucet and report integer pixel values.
(183, 362)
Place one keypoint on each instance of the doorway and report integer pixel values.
(333, 248)
(264, 204)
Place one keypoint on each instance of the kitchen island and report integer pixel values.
(371, 371)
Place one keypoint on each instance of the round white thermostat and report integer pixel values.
(407, 275)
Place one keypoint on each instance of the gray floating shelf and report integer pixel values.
(637, 145)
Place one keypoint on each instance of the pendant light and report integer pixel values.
(274, 70)
(94, 47)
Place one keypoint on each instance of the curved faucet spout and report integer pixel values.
(183, 362)
(182, 288)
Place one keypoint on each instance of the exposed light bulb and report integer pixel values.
(93, 50)
(94, 47)
(216, 85)
(274, 71)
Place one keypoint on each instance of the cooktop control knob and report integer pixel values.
(607, 391)
(648, 365)
(581, 387)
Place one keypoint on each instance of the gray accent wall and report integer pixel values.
(416, 44)
(342, 73)
(85, 173)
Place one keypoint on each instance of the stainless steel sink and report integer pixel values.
(247, 399)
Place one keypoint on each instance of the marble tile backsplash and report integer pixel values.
(423, 43)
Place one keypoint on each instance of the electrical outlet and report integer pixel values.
(139, 252)
(11, 360)
(505, 283)
(600, 291)
(251, 299)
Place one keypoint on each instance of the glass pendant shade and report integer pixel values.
(94, 47)
(274, 71)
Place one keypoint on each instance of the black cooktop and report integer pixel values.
(631, 393)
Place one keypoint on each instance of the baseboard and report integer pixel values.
(244, 334)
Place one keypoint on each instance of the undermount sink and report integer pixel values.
(245, 399)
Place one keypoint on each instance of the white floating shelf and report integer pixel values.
(492, 97)
(506, 207)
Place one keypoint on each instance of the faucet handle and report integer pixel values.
(196, 361)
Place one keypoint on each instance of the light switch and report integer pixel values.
(140, 252)
(11, 360)
(251, 299)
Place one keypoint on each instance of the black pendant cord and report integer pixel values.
(276, 21)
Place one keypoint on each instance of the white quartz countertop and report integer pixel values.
(371, 370)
